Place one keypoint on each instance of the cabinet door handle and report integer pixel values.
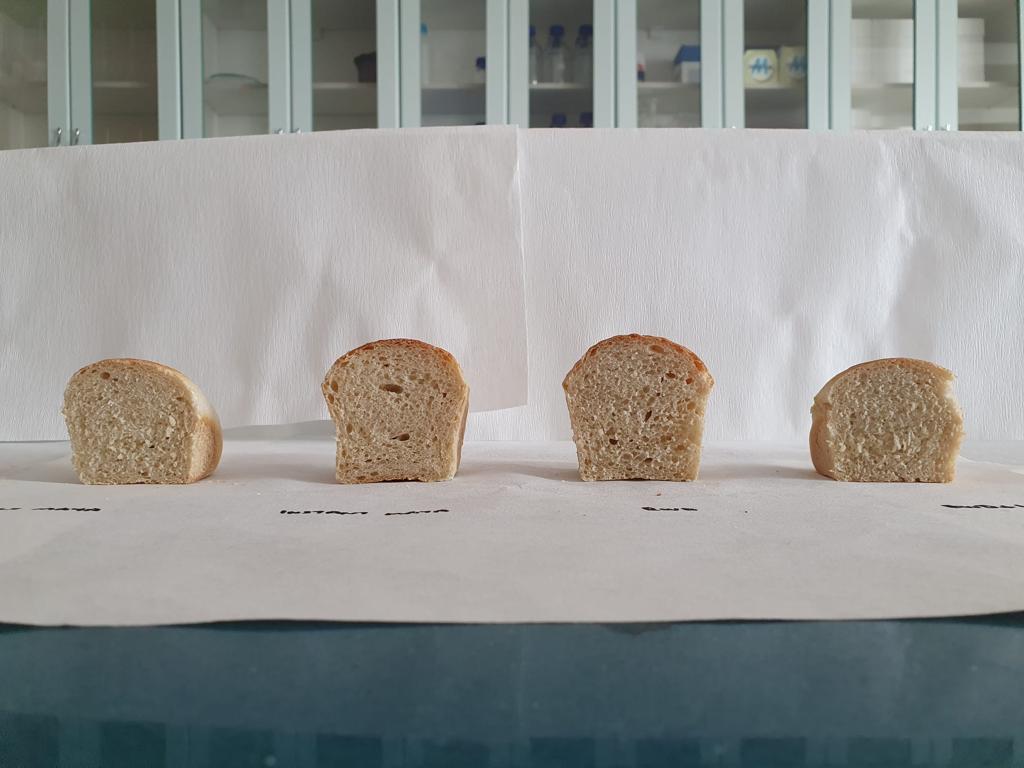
(59, 136)
(75, 136)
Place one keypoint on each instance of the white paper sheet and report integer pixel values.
(251, 264)
(781, 258)
(516, 537)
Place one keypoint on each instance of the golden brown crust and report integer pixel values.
(821, 454)
(906, 362)
(209, 445)
(640, 339)
(821, 457)
(444, 354)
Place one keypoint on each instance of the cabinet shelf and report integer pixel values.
(454, 99)
(235, 97)
(344, 98)
(124, 97)
(572, 99)
(776, 97)
(988, 94)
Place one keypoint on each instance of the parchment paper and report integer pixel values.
(516, 537)
(252, 263)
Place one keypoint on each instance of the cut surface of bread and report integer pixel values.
(637, 404)
(399, 408)
(136, 421)
(892, 420)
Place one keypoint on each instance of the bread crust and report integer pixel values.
(629, 339)
(446, 358)
(822, 456)
(208, 437)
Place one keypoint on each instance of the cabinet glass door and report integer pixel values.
(453, 62)
(561, 63)
(23, 95)
(668, 57)
(988, 95)
(344, 64)
(775, 63)
(882, 64)
(124, 90)
(235, 95)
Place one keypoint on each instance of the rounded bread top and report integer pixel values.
(630, 339)
(943, 374)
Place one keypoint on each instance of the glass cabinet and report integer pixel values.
(345, 63)
(124, 73)
(560, 59)
(668, 63)
(775, 63)
(235, 71)
(988, 65)
(23, 76)
(104, 71)
(881, 60)
(453, 62)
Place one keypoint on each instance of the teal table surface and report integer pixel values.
(884, 693)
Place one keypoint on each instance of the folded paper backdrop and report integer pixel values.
(251, 264)
(780, 257)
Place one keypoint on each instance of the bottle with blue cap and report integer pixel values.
(480, 70)
(583, 56)
(424, 55)
(558, 120)
(687, 64)
(534, 56)
(555, 54)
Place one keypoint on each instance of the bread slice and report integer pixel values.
(636, 404)
(399, 408)
(892, 420)
(135, 421)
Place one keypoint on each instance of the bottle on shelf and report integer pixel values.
(555, 55)
(534, 56)
(641, 68)
(583, 56)
(586, 120)
(558, 120)
(687, 64)
(424, 55)
(480, 71)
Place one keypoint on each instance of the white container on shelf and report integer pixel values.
(687, 64)
(792, 65)
(760, 68)
(882, 51)
(971, 44)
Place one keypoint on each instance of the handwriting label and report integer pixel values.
(319, 512)
(669, 509)
(417, 512)
(984, 506)
(53, 509)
